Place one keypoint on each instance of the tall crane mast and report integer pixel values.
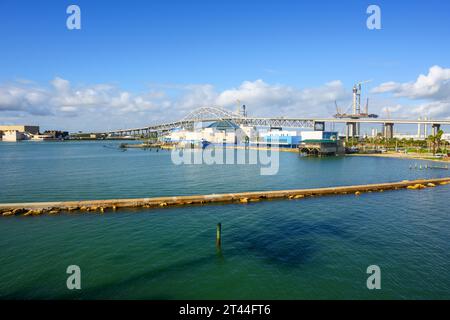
(356, 112)
(357, 97)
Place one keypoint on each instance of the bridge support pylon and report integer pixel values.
(351, 130)
(388, 130)
(436, 127)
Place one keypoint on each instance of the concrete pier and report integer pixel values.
(101, 206)
(388, 130)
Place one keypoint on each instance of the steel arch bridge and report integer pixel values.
(213, 114)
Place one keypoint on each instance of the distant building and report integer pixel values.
(25, 132)
(321, 143)
(407, 136)
(12, 135)
(220, 132)
(226, 132)
(21, 128)
(56, 134)
(17, 132)
(446, 137)
(285, 138)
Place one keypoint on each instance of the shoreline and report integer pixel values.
(39, 208)
(404, 156)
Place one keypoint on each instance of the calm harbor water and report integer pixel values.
(299, 249)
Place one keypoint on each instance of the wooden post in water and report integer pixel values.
(219, 235)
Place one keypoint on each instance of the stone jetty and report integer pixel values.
(102, 206)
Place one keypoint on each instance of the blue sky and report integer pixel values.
(172, 55)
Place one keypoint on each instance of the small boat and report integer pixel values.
(205, 143)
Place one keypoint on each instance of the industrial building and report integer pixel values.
(321, 143)
(226, 132)
(220, 132)
(17, 132)
(277, 136)
(20, 128)
(12, 133)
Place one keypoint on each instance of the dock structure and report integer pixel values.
(322, 147)
(38, 208)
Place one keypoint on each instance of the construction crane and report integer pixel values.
(338, 111)
(388, 113)
(356, 105)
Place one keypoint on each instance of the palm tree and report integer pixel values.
(438, 137)
(432, 142)
(436, 140)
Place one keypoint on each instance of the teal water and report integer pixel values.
(298, 249)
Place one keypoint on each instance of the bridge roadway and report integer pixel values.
(316, 123)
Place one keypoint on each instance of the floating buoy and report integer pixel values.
(416, 187)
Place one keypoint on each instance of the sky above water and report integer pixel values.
(134, 63)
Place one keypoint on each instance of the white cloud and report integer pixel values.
(116, 108)
(268, 100)
(433, 88)
(435, 85)
(104, 106)
(434, 110)
(23, 98)
(395, 108)
(60, 84)
(195, 96)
